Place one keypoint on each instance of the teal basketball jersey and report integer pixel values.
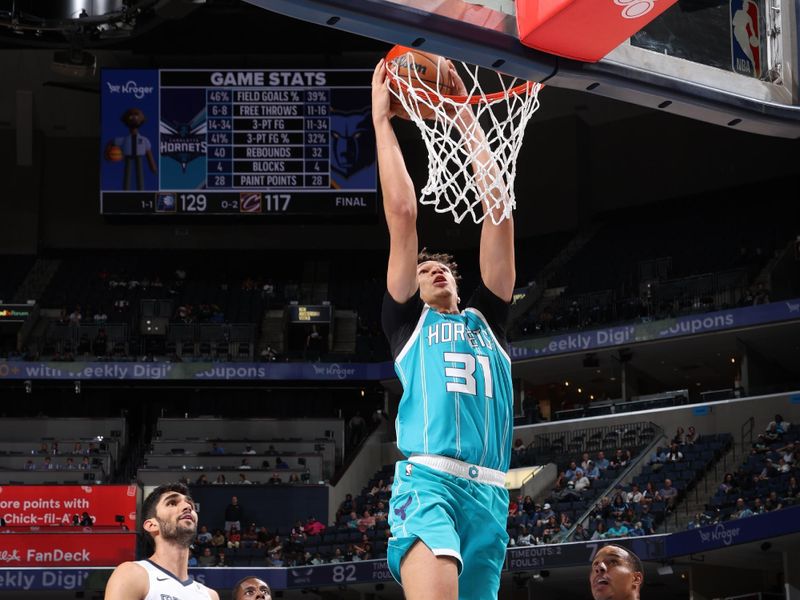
(456, 375)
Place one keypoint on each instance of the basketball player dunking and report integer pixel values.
(170, 520)
(449, 504)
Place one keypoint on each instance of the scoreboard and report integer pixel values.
(237, 142)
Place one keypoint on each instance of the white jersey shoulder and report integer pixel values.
(165, 586)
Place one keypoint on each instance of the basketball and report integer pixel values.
(430, 73)
(114, 154)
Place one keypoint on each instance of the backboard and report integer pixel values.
(729, 62)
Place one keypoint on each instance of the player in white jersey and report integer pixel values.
(449, 504)
(170, 520)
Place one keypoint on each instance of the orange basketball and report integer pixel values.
(114, 154)
(430, 74)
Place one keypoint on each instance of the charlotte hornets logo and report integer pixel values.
(401, 511)
(184, 142)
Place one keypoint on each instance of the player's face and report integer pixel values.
(437, 286)
(611, 577)
(253, 589)
(176, 518)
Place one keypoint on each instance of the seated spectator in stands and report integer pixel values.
(528, 505)
(352, 520)
(245, 464)
(773, 502)
(783, 466)
(248, 450)
(275, 559)
(524, 537)
(347, 505)
(619, 529)
(250, 536)
(620, 459)
(634, 496)
(728, 485)
(566, 523)
(772, 433)
(47, 464)
(100, 343)
(545, 514)
(674, 454)
(581, 481)
(203, 536)
(314, 526)
(787, 452)
(691, 436)
(43, 449)
(742, 510)
(93, 449)
(792, 492)
(513, 508)
(202, 480)
(280, 463)
(519, 448)
(366, 522)
(86, 520)
(646, 519)
(659, 457)
(221, 559)
(580, 535)
(618, 506)
(75, 316)
(585, 460)
(592, 472)
(218, 539)
(316, 559)
(243, 480)
(602, 462)
(551, 533)
(758, 507)
(668, 494)
(380, 512)
(377, 488)
(263, 537)
(30, 466)
(599, 531)
(220, 480)
(781, 425)
(637, 530)
(761, 445)
(216, 448)
(275, 479)
(207, 558)
(294, 478)
(678, 438)
(337, 556)
(569, 472)
(234, 538)
(769, 471)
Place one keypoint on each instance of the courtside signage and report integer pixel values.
(66, 549)
(44, 506)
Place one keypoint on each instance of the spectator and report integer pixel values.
(337, 556)
(367, 521)
(294, 478)
(202, 480)
(593, 471)
(30, 466)
(218, 539)
(581, 481)
(634, 496)
(620, 459)
(728, 486)
(234, 538)
(243, 480)
(275, 479)
(580, 535)
(47, 464)
(742, 510)
(674, 454)
(233, 515)
(668, 494)
(585, 462)
(86, 520)
(217, 449)
(691, 436)
(356, 430)
(250, 536)
(678, 439)
(220, 480)
(85, 464)
(599, 531)
(207, 558)
(637, 530)
(70, 465)
(525, 537)
(618, 530)
(602, 462)
(203, 536)
(314, 526)
(221, 560)
(245, 464)
(646, 519)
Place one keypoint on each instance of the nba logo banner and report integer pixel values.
(746, 53)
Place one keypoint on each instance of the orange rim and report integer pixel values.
(522, 88)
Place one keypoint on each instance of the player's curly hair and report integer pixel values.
(445, 259)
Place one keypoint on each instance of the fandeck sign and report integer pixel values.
(66, 549)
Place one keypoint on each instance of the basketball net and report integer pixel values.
(472, 157)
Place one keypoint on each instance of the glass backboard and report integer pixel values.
(729, 62)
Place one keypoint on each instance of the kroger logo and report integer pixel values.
(334, 370)
(633, 9)
(131, 87)
(720, 533)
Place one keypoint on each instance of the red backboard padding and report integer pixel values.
(584, 30)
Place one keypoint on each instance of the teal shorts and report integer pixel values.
(453, 516)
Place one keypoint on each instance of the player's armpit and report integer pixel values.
(128, 582)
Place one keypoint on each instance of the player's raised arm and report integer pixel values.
(497, 241)
(399, 198)
(127, 582)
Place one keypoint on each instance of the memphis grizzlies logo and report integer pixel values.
(352, 149)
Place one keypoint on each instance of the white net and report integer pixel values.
(473, 141)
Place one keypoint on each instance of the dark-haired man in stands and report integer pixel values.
(170, 520)
(616, 574)
(251, 588)
(668, 494)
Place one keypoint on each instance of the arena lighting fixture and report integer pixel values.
(28, 386)
(665, 570)
(77, 387)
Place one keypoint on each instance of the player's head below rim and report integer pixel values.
(437, 277)
(616, 574)
(251, 588)
(169, 516)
